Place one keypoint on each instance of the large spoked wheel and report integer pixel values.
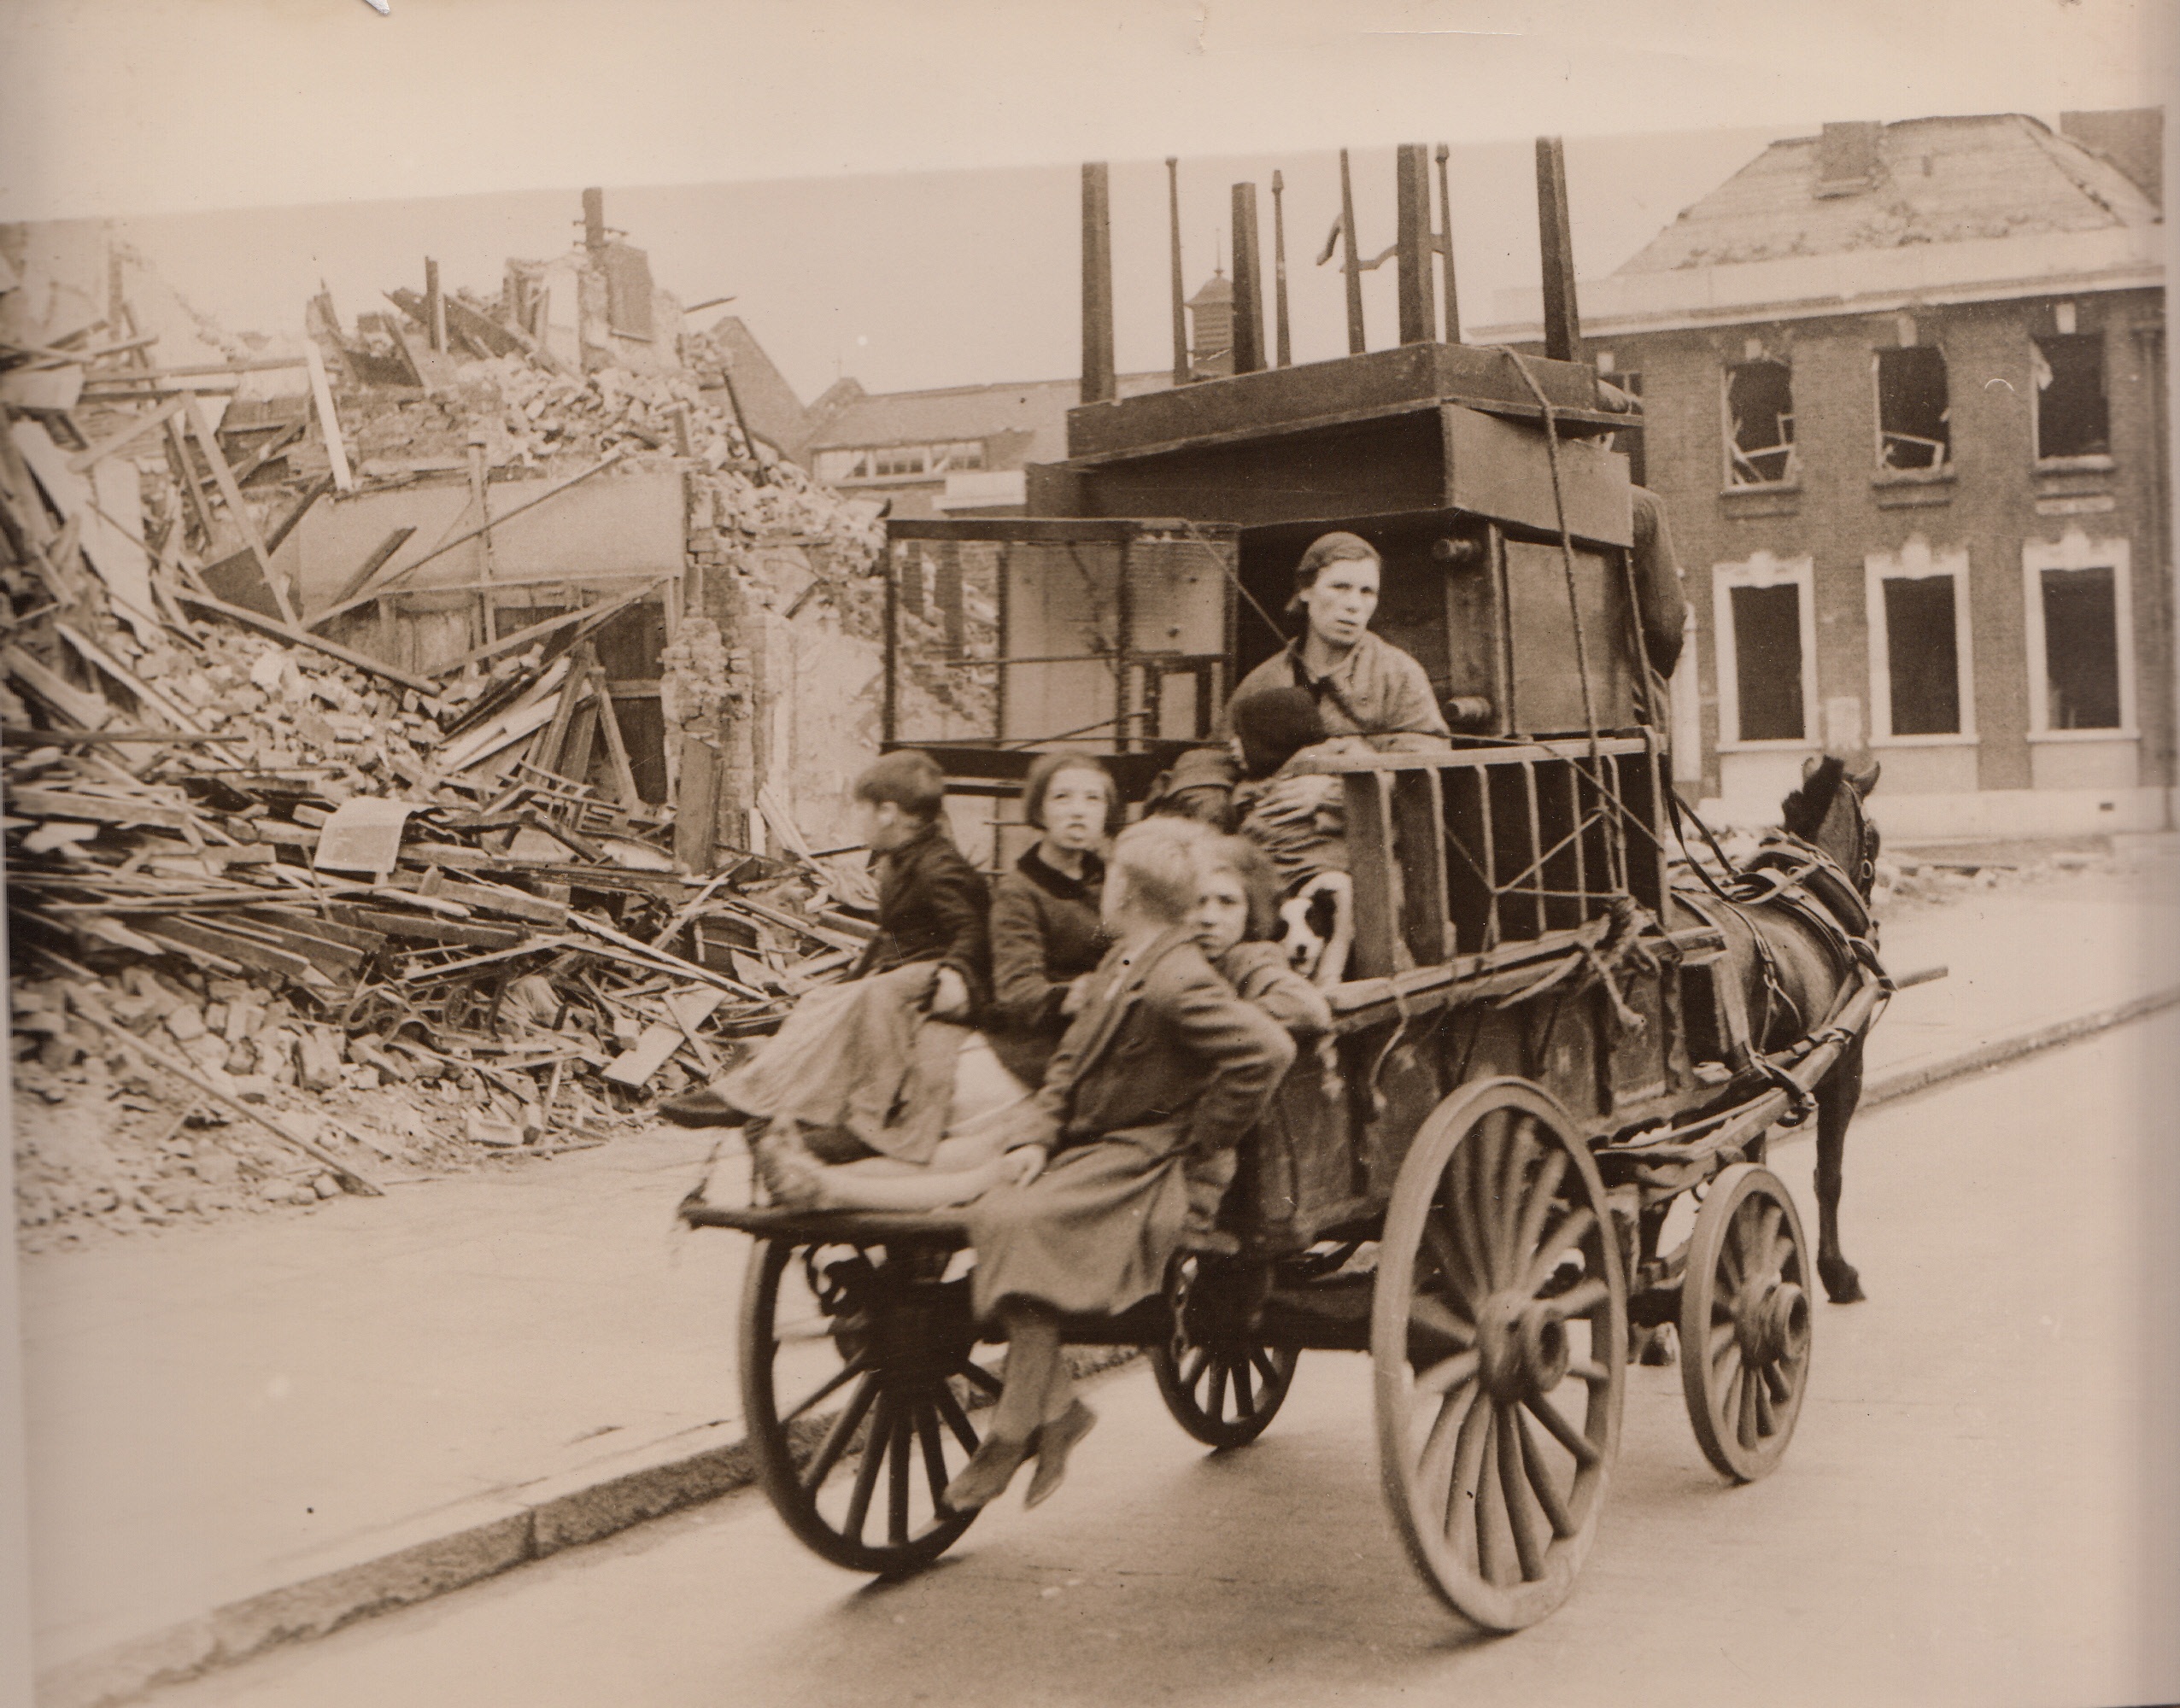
(1745, 1322)
(1223, 1395)
(857, 1381)
(1496, 1333)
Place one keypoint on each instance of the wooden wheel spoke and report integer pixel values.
(1506, 1192)
(1192, 1367)
(1541, 1481)
(957, 1419)
(1448, 1374)
(1544, 1193)
(841, 1433)
(1434, 1465)
(1569, 1231)
(1763, 1255)
(832, 1385)
(1586, 1451)
(1492, 1518)
(1775, 1379)
(898, 1450)
(1464, 1205)
(1265, 1366)
(1523, 1516)
(1745, 1395)
(935, 1451)
(1465, 1469)
(1767, 1418)
(1434, 1317)
(866, 1473)
(1583, 1370)
(1215, 1407)
(1462, 1272)
(1244, 1395)
(973, 1372)
(1581, 1300)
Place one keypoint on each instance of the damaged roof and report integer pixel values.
(1037, 408)
(1863, 187)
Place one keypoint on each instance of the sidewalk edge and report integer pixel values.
(570, 1509)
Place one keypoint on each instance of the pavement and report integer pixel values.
(247, 1433)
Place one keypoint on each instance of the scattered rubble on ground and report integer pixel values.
(286, 920)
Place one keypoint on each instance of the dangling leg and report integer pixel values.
(1835, 1101)
(1032, 1358)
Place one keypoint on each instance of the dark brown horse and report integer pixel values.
(1791, 969)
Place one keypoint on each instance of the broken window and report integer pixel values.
(1760, 417)
(1913, 411)
(1922, 655)
(1767, 661)
(2071, 419)
(2081, 630)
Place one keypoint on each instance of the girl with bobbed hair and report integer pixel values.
(1046, 935)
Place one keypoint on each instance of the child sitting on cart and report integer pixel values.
(1165, 1068)
(870, 1066)
(1300, 821)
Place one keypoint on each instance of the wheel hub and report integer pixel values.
(1521, 1346)
(1774, 1325)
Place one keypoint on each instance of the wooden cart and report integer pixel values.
(1537, 1049)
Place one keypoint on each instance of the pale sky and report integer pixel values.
(920, 279)
(890, 191)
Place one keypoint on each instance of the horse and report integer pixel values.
(1792, 965)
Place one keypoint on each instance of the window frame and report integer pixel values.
(2075, 550)
(1944, 466)
(1763, 570)
(2087, 459)
(1790, 480)
(1917, 561)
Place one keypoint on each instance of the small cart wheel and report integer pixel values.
(1745, 1322)
(1223, 1395)
(1497, 1334)
(857, 1381)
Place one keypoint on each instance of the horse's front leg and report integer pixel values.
(1836, 1098)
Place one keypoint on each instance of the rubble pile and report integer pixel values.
(287, 920)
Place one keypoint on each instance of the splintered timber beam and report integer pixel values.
(1412, 243)
(1562, 322)
(1248, 284)
(1180, 314)
(1098, 382)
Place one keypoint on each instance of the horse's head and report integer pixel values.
(1827, 812)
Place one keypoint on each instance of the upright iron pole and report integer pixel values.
(1562, 322)
(1248, 284)
(1412, 241)
(1286, 352)
(1181, 369)
(1098, 385)
(1445, 252)
(1350, 262)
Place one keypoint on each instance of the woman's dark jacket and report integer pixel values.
(933, 905)
(1045, 934)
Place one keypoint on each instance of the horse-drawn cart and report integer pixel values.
(1467, 1182)
(1541, 1045)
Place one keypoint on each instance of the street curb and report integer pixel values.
(2013, 1046)
(429, 1557)
(481, 1538)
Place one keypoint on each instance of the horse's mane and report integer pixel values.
(1803, 811)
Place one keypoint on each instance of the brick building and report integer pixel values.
(1904, 392)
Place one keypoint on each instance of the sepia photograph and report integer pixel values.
(1219, 853)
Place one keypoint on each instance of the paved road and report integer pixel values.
(1961, 1519)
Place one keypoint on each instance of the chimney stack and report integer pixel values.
(594, 219)
(1847, 158)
